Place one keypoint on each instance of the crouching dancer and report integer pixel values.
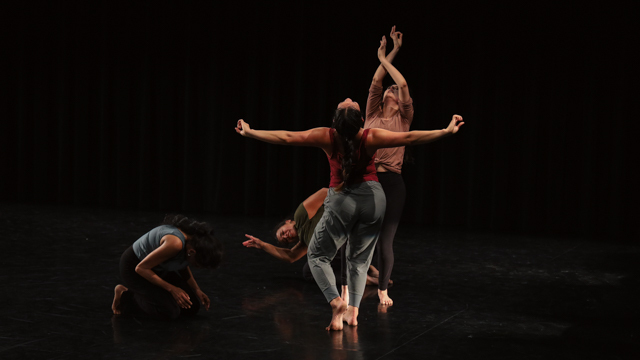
(156, 274)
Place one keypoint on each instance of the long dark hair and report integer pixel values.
(347, 122)
(208, 248)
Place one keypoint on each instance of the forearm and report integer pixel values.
(418, 137)
(153, 278)
(191, 281)
(395, 74)
(278, 137)
(381, 72)
(278, 253)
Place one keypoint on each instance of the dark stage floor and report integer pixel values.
(457, 296)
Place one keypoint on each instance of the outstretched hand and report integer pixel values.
(455, 124)
(242, 128)
(396, 36)
(382, 50)
(253, 242)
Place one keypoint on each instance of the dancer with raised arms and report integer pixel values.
(355, 203)
(393, 111)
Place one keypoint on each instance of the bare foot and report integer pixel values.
(338, 307)
(117, 294)
(351, 316)
(384, 298)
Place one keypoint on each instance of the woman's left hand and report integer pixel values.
(382, 50)
(455, 124)
(204, 299)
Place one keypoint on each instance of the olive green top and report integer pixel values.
(305, 226)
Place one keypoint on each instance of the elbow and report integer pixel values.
(140, 270)
(402, 85)
(287, 139)
(410, 140)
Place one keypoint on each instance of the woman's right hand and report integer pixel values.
(181, 297)
(396, 36)
(253, 242)
(242, 128)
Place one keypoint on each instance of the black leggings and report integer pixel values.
(395, 192)
(144, 299)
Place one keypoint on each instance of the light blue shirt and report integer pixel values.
(151, 241)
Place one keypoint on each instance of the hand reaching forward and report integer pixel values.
(396, 36)
(382, 50)
(242, 128)
(253, 242)
(455, 124)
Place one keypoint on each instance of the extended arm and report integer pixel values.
(403, 88)
(381, 72)
(287, 255)
(379, 138)
(318, 137)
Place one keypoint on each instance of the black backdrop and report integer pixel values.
(133, 105)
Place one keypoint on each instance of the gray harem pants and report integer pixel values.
(356, 214)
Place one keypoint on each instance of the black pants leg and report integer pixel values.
(145, 299)
(395, 192)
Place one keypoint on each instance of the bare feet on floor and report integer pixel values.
(117, 294)
(338, 308)
(351, 316)
(384, 298)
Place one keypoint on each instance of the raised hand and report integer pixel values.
(455, 124)
(396, 36)
(253, 242)
(382, 50)
(242, 128)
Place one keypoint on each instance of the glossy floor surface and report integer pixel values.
(457, 296)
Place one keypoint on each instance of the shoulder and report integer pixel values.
(172, 241)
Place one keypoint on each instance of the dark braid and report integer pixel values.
(208, 248)
(347, 122)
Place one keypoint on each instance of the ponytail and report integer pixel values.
(347, 122)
